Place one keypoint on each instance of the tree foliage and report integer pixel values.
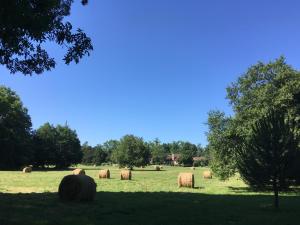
(131, 151)
(45, 145)
(187, 152)
(262, 88)
(26, 24)
(57, 146)
(15, 131)
(88, 154)
(158, 154)
(221, 144)
(100, 155)
(109, 147)
(268, 157)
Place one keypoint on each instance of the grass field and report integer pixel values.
(152, 197)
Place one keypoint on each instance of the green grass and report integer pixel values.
(152, 197)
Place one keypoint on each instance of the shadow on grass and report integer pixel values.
(145, 208)
(240, 190)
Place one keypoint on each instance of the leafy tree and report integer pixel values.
(45, 145)
(175, 147)
(157, 151)
(100, 155)
(88, 154)
(68, 147)
(166, 148)
(15, 131)
(131, 152)
(221, 144)
(262, 88)
(202, 152)
(268, 157)
(26, 24)
(187, 152)
(109, 147)
(57, 146)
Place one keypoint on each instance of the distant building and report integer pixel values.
(199, 158)
(200, 161)
(173, 159)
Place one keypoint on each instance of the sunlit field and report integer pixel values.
(151, 197)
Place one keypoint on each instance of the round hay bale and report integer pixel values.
(125, 175)
(207, 174)
(186, 180)
(104, 174)
(77, 188)
(157, 168)
(78, 172)
(27, 169)
(161, 167)
(193, 168)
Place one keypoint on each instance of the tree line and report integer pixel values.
(60, 146)
(20, 145)
(133, 151)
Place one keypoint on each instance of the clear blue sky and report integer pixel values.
(158, 66)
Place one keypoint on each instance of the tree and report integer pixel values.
(68, 147)
(100, 155)
(45, 145)
(88, 154)
(26, 24)
(131, 152)
(221, 144)
(187, 152)
(262, 88)
(204, 157)
(267, 158)
(158, 154)
(15, 131)
(109, 147)
(57, 146)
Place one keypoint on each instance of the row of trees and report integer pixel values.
(134, 151)
(261, 140)
(20, 145)
(59, 145)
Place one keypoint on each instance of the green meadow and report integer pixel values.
(151, 197)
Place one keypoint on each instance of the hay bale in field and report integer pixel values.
(125, 175)
(186, 180)
(77, 188)
(161, 167)
(104, 174)
(78, 172)
(157, 168)
(193, 168)
(207, 174)
(27, 169)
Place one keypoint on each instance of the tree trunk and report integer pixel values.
(275, 190)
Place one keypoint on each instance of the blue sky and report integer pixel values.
(158, 66)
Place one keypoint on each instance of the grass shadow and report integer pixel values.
(295, 190)
(148, 208)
